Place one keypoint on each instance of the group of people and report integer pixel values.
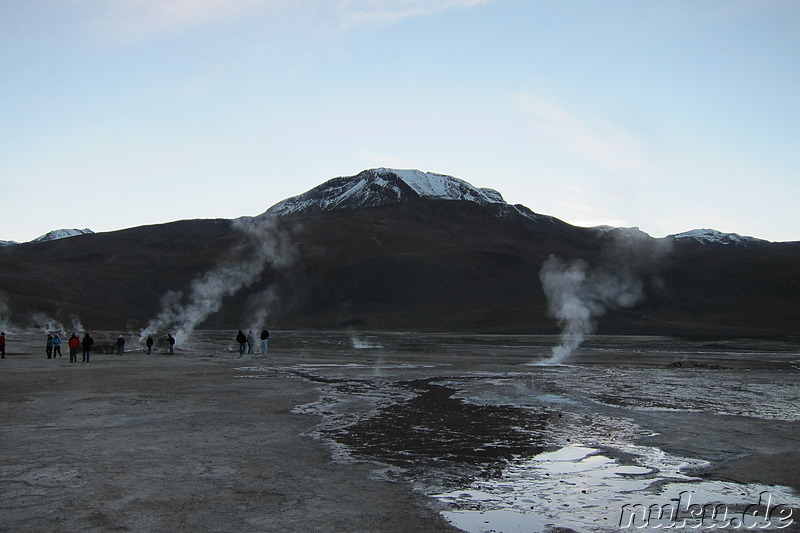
(249, 340)
(53, 345)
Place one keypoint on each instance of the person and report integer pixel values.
(264, 337)
(56, 345)
(171, 341)
(87, 343)
(149, 344)
(74, 342)
(241, 338)
(2, 344)
(48, 347)
(120, 345)
(251, 340)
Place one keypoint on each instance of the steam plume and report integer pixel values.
(261, 305)
(265, 244)
(46, 323)
(578, 295)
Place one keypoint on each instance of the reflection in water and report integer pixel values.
(579, 488)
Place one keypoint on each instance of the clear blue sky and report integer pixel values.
(667, 115)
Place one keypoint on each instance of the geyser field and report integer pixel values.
(402, 432)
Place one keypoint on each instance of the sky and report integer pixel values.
(667, 115)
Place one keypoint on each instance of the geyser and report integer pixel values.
(265, 244)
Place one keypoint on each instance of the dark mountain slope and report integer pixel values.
(399, 255)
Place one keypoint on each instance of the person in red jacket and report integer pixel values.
(74, 343)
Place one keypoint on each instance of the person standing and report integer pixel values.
(264, 337)
(171, 341)
(56, 345)
(48, 347)
(120, 345)
(251, 340)
(241, 338)
(149, 344)
(87, 343)
(74, 343)
(2, 344)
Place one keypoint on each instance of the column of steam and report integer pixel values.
(563, 285)
(266, 245)
(578, 295)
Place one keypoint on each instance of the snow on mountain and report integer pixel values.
(386, 186)
(712, 236)
(7, 243)
(62, 234)
(441, 187)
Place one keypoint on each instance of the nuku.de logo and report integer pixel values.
(682, 513)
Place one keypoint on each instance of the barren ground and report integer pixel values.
(207, 441)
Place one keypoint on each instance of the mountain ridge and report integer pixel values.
(386, 186)
(449, 259)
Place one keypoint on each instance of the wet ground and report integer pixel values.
(511, 445)
(642, 433)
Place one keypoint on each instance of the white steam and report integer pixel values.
(261, 305)
(577, 294)
(45, 323)
(265, 245)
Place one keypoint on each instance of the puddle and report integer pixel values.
(434, 429)
(582, 488)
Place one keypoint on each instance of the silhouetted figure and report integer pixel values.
(120, 345)
(171, 341)
(48, 348)
(241, 338)
(2, 344)
(87, 344)
(264, 337)
(149, 344)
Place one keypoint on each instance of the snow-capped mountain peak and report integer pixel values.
(442, 187)
(712, 236)
(61, 234)
(384, 186)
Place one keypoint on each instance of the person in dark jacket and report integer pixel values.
(2, 344)
(171, 341)
(264, 337)
(120, 345)
(149, 344)
(241, 338)
(48, 348)
(87, 343)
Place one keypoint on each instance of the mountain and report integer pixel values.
(53, 235)
(711, 236)
(399, 250)
(384, 186)
(62, 234)
(381, 187)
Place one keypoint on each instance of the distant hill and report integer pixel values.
(403, 250)
(53, 235)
